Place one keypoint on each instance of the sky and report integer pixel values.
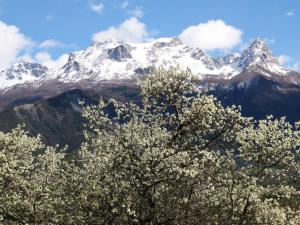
(45, 31)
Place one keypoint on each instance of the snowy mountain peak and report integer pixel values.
(258, 54)
(113, 59)
(22, 72)
(258, 43)
(105, 41)
(167, 42)
(23, 67)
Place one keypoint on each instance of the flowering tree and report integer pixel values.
(28, 170)
(182, 158)
(179, 158)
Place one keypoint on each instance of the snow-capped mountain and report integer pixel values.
(258, 54)
(47, 101)
(111, 60)
(23, 72)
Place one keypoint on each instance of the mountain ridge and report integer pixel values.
(48, 103)
(113, 60)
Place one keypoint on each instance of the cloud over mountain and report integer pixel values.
(131, 30)
(13, 42)
(212, 35)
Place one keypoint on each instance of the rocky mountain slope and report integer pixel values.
(58, 119)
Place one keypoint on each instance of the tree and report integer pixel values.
(178, 158)
(26, 180)
(182, 158)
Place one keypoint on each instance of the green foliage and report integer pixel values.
(179, 158)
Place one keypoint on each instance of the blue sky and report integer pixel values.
(44, 30)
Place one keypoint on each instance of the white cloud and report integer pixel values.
(50, 43)
(17, 46)
(131, 30)
(46, 59)
(213, 35)
(290, 13)
(96, 7)
(124, 4)
(13, 42)
(137, 12)
(283, 59)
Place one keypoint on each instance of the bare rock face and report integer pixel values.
(119, 53)
(71, 66)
